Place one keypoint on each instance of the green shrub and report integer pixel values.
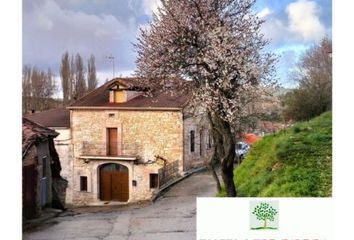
(222, 193)
(295, 162)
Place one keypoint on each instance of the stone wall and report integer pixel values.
(63, 146)
(144, 134)
(142, 190)
(202, 141)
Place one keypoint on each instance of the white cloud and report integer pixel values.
(49, 15)
(265, 12)
(301, 23)
(49, 30)
(304, 20)
(44, 22)
(144, 27)
(108, 75)
(151, 6)
(275, 29)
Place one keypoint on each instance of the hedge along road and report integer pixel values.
(172, 216)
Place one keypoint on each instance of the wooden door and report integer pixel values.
(114, 183)
(29, 184)
(105, 186)
(120, 187)
(112, 143)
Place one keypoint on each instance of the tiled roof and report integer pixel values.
(33, 132)
(100, 98)
(126, 82)
(58, 117)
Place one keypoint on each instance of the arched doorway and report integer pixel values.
(114, 182)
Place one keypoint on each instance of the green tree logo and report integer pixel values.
(264, 212)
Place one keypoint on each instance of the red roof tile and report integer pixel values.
(33, 132)
(58, 117)
(100, 98)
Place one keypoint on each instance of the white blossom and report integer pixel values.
(217, 45)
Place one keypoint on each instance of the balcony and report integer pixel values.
(100, 150)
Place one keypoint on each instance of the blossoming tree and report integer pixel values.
(214, 51)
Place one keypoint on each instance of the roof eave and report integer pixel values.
(125, 108)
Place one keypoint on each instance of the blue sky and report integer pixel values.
(104, 27)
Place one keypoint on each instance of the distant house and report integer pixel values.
(58, 119)
(42, 185)
(126, 145)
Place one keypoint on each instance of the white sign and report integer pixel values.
(264, 219)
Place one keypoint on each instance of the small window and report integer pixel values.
(111, 115)
(154, 180)
(83, 183)
(192, 140)
(209, 141)
(44, 167)
(134, 183)
(201, 153)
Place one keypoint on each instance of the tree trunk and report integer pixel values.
(225, 151)
(265, 223)
(227, 163)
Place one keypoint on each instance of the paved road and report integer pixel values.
(170, 217)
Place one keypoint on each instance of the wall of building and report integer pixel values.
(202, 141)
(35, 156)
(63, 147)
(39, 156)
(142, 190)
(30, 189)
(140, 173)
(144, 134)
(45, 181)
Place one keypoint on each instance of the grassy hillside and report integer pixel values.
(294, 162)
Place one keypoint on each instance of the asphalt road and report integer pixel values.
(173, 216)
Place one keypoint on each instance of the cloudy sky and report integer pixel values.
(104, 27)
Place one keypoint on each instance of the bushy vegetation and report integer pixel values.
(222, 192)
(295, 162)
(314, 77)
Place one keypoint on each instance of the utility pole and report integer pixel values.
(111, 58)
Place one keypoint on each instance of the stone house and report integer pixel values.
(42, 185)
(58, 119)
(123, 141)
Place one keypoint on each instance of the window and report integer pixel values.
(239, 146)
(83, 183)
(44, 167)
(120, 96)
(114, 167)
(111, 115)
(154, 180)
(192, 140)
(201, 152)
(209, 141)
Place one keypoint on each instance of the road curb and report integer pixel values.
(164, 189)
